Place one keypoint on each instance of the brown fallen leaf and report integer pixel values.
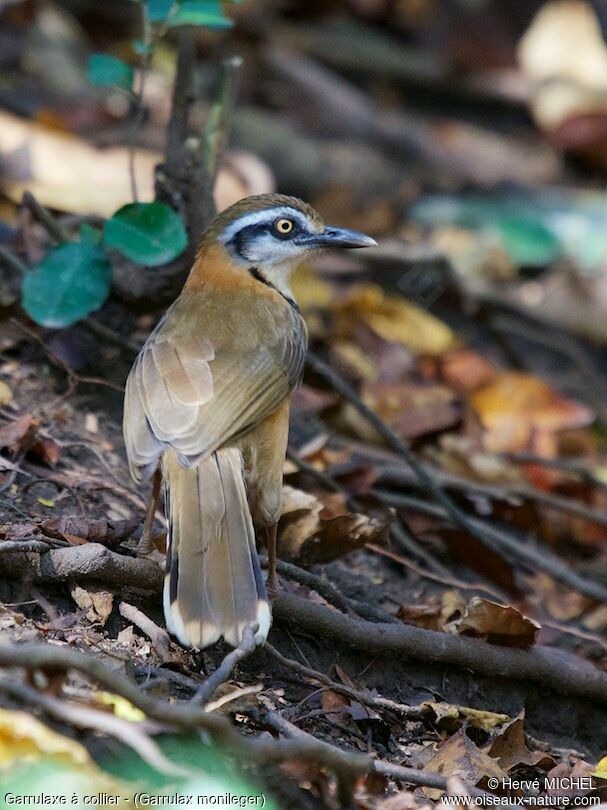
(90, 530)
(511, 750)
(305, 536)
(97, 603)
(521, 412)
(20, 434)
(466, 370)
(497, 624)
(411, 409)
(460, 757)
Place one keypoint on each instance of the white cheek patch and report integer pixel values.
(267, 250)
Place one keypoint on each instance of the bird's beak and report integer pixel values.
(339, 238)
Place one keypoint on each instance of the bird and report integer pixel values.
(206, 414)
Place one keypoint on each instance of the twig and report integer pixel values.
(449, 582)
(476, 527)
(45, 218)
(329, 592)
(224, 670)
(157, 635)
(218, 126)
(185, 715)
(109, 335)
(509, 542)
(400, 709)
(555, 669)
(131, 734)
(401, 475)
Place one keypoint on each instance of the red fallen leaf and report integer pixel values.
(466, 370)
(568, 776)
(47, 450)
(510, 749)
(19, 435)
(497, 624)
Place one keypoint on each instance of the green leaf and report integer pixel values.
(146, 233)
(208, 13)
(71, 281)
(158, 10)
(528, 242)
(89, 234)
(103, 70)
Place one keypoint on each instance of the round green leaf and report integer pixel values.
(146, 233)
(103, 70)
(71, 281)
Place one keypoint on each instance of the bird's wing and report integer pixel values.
(194, 397)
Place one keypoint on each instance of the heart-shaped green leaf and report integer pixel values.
(105, 70)
(71, 281)
(146, 233)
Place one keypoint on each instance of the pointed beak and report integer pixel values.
(339, 238)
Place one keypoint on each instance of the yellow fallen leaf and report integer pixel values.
(121, 706)
(394, 319)
(47, 502)
(601, 769)
(5, 393)
(24, 737)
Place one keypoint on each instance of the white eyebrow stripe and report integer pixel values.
(255, 217)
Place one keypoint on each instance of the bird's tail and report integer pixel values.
(213, 585)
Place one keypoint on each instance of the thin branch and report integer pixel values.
(364, 697)
(328, 591)
(157, 635)
(505, 541)
(402, 475)
(224, 670)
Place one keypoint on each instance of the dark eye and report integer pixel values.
(283, 226)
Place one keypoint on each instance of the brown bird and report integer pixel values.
(207, 411)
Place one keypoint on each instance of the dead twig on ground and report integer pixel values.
(507, 542)
(328, 591)
(158, 636)
(382, 704)
(226, 668)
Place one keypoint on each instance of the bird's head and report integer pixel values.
(274, 230)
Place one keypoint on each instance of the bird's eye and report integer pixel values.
(284, 226)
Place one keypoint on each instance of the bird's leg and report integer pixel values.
(272, 584)
(146, 543)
